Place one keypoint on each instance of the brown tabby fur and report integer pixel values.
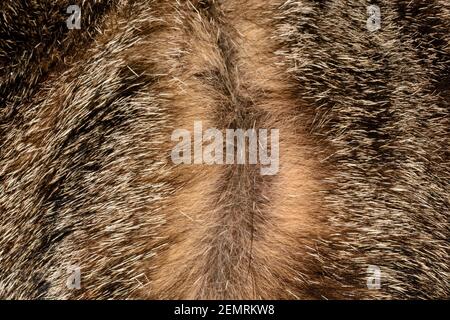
(86, 176)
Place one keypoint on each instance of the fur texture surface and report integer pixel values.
(87, 180)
